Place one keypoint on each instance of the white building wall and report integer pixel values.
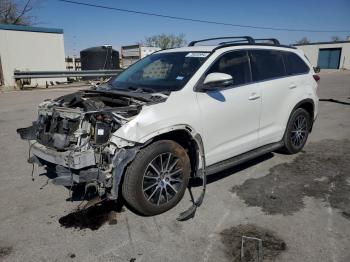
(311, 51)
(23, 50)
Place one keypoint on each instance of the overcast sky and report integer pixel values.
(86, 26)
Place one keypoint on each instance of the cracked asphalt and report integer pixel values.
(315, 226)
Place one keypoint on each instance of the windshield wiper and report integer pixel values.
(141, 89)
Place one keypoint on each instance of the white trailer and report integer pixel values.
(132, 53)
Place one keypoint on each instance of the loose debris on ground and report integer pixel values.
(272, 245)
(93, 217)
(5, 251)
(322, 171)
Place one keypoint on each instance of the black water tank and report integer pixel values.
(100, 57)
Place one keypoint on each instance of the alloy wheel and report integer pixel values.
(162, 179)
(299, 131)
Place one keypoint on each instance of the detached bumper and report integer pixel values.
(71, 159)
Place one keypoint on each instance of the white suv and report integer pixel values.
(174, 115)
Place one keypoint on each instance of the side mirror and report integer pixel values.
(214, 81)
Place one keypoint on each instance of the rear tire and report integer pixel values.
(297, 131)
(157, 178)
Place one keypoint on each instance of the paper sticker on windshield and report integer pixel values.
(179, 78)
(197, 54)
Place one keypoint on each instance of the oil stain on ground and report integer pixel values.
(5, 251)
(93, 217)
(322, 171)
(272, 245)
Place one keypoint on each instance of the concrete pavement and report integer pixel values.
(29, 216)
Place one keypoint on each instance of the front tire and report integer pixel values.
(157, 178)
(297, 131)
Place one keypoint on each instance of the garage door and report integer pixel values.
(1, 75)
(329, 58)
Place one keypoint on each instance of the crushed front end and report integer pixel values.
(73, 139)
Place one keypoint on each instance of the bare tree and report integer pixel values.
(335, 39)
(17, 12)
(303, 41)
(164, 41)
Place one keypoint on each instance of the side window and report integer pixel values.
(236, 64)
(266, 64)
(294, 64)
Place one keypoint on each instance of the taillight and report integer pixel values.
(317, 78)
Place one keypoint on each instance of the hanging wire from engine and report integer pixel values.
(29, 153)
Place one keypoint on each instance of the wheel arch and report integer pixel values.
(186, 137)
(307, 104)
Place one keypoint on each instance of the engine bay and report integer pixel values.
(84, 117)
(71, 136)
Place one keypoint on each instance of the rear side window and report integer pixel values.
(294, 64)
(266, 64)
(234, 63)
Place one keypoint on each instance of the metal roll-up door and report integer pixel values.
(329, 58)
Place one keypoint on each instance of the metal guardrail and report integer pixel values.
(18, 75)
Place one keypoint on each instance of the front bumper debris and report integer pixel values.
(69, 159)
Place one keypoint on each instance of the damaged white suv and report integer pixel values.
(174, 115)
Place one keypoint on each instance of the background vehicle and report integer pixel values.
(177, 114)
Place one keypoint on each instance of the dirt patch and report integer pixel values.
(321, 171)
(272, 245)
(93, 217)
(5, 251)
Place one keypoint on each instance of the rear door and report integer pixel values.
(282, 76)
(230, 115)
(269, 71)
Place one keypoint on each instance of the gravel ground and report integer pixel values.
(302, 199)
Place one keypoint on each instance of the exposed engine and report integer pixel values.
(71, 120)
(71, 136)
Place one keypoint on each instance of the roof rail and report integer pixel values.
(273, 40)
(249, 39)
(231, 42)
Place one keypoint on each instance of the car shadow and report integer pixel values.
(217, 95)
(106, 212)
(197, 182)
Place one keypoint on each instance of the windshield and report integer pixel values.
(160, 72)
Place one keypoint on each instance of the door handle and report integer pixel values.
(254, 96)
(292, 86)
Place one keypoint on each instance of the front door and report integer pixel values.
(230, 115)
